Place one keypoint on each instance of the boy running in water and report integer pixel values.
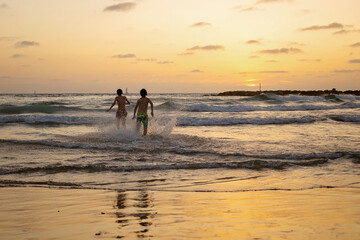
(121, 112)
(142, 116)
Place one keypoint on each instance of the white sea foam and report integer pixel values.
(236, 121)
(247, 108)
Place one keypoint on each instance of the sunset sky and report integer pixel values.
(52, 46)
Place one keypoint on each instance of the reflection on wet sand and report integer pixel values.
(135, 213)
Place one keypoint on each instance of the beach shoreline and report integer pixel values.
(60, 213)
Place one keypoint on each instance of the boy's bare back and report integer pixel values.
(121, 101)
(143, 104)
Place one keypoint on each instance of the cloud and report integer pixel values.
(354, 61)
(5, 77)
(146, 59)
(186, 54)
(25, 44)
(164, 62)
(309, 60)
(253, 42)
(201, 24)
(120, 7)
(344, 31)
(272, 1)
(207, 48)
(347, 71)
(196, 71)
(281, 51)
(4, 5)
(245, 9)
(334, 25)
(25, 66)
(7, 39)
(273, 72)
(129, 55)
(271, 61)
(355, 44)
(17, 56)
(253, 57)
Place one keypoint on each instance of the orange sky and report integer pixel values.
(178, 46)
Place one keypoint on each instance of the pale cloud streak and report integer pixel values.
(281, 51)
(201, 24)
(355, 44)
(129, 55)
(354, 61)
(333, 25)
(207, 48)
(272, 1)
(253, 42)
(25, 44)
(120, 7)
(17, 56)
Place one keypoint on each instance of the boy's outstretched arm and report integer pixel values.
(152, 107)
(112, 105)
(137, 105)
(127, 101)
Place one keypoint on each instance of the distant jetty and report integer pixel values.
(290, 92)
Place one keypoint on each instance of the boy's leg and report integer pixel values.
(145, 130)
(118, 123)
(123, 121)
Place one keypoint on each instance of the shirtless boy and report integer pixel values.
(121, 112)
(142, 116)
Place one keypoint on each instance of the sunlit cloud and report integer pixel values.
(309, 60)
(7, 39)
(201, 24)
(25, 44)
(253, 42)
(281, 51)
(207, 48)
(271, 61)
(305, 11)
(24, 66)
(245, 9)
(129, 55)
(347, 71)
(273, 72)
(165, 62)
(254, 57)
(4, 5)
(272, 1)
(334, 25)
(344, 31)
(17, 56)
(186, 54)
(354, 61)
(147, 59)
(196, 71)
(120, 7)
(355, 44)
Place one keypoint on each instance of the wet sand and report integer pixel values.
(49, 213)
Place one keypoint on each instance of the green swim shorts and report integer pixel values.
(142, 118)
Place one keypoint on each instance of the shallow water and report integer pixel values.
(195, 143)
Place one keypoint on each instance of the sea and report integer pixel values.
(195, 143)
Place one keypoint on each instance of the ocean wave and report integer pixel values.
(347, 118)
(41, 107)
(168, 105)
(201, 107)
(250, 164)
(192, 121)
(49, 119)
(183, 150)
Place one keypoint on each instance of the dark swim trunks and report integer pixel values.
(142, 118)
(121, 114)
